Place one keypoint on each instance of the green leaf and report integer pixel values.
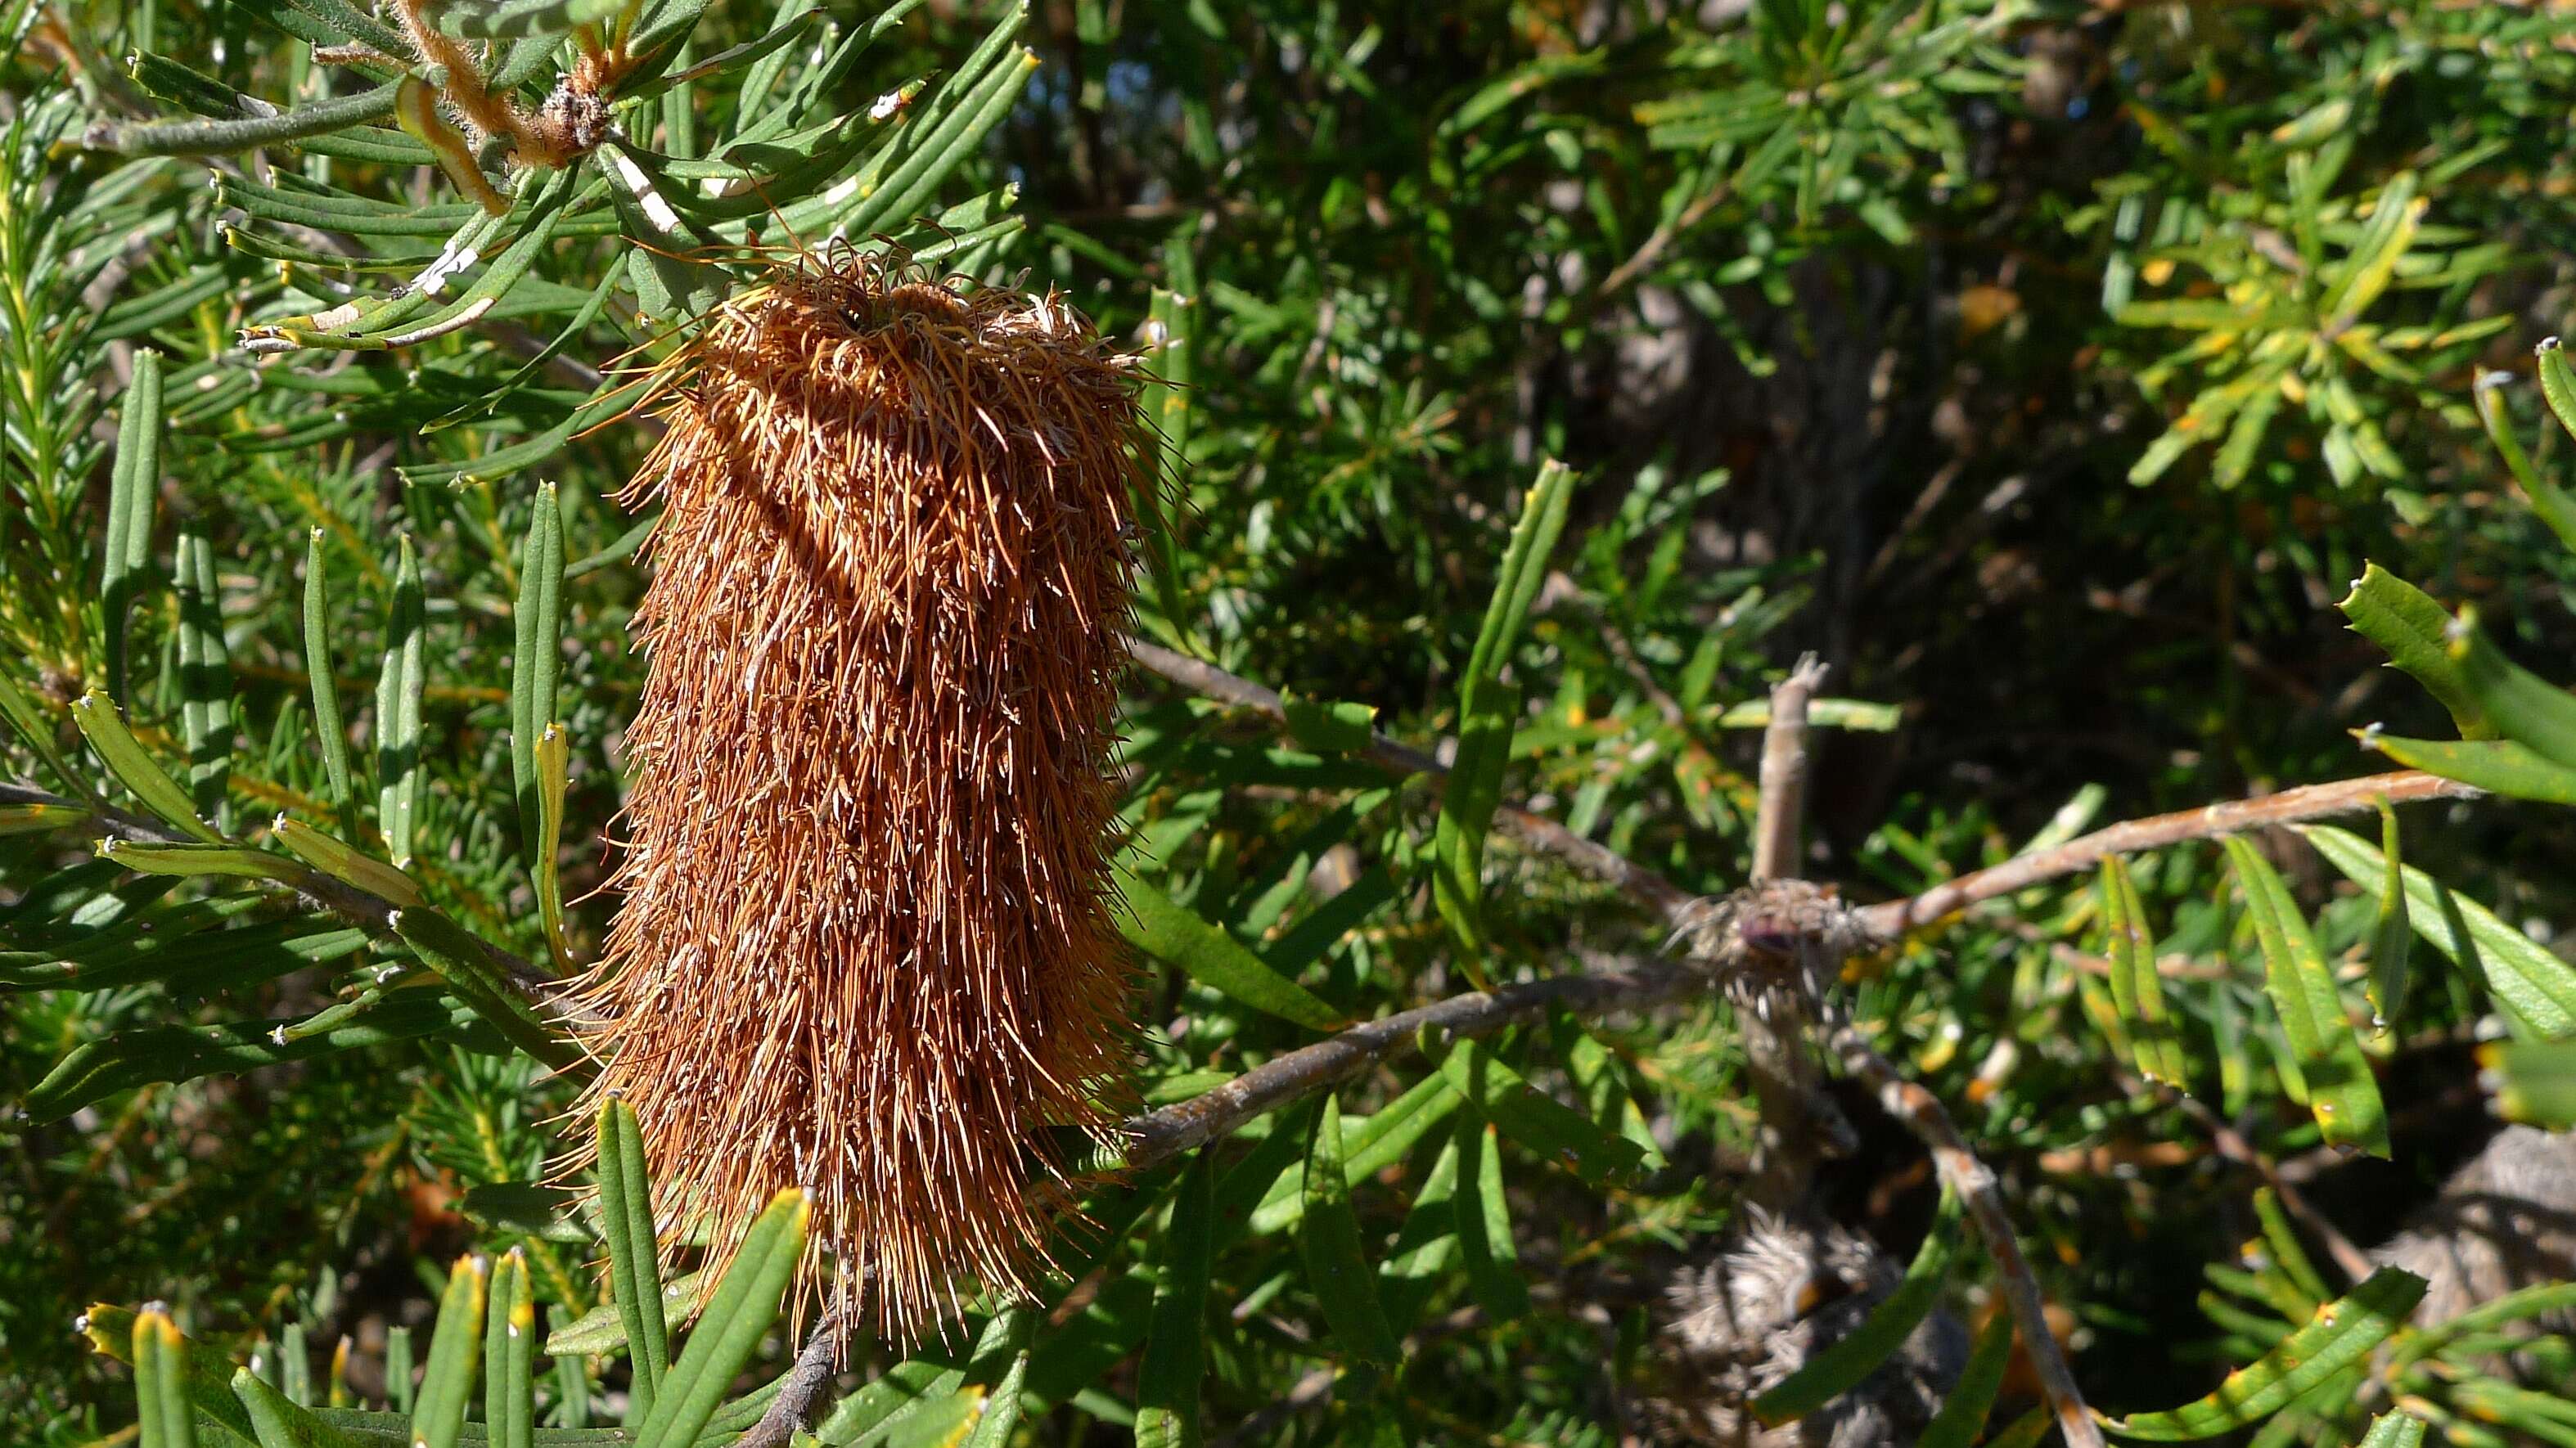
(124, 756)
(2520, 1305)
(1161, 927)
(347, 865)
(328, 728)
(2393, 933)
(96, 1070)
(537, 662)
(2137, 988)
(133, 489)
(455, 1356)
(2498, 766)
(277, 1422)
(1167, 1381)
(2340, 1334)
(40, 819)
(1963, 1413)
(220, 137)
(2534, 1081)
(399, 767)
(1329, 726)
(549, 1214)
(464, 962)
(2557, 382)
(2538, 986)
(1273, 1168)
(1167, 404)
(204, 1375)
(2415, 631)
(36, 730)
(1329, 1240)
(1424, 1255)
(2394, 1430)
(1484, 1222)
(1552, 1131)
(602, 1330)
(2551, 502)
(634, 1253)
(1001, 1404)
(1486, 712)
(232, 861)
(163, 1416)
(1841, 1366)
(730, 1329)
(553, 765)
(509, 1356)
(2342, 1093)
(2287, 1253)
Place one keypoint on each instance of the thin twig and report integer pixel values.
(1960, 1169)
(792, 1410)
(1158, 1135)
(1675, 904)
(1775, 1013)
(2290, 806)
(1784, 773)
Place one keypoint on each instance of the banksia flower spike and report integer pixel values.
(865, 945)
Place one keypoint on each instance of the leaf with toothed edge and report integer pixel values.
(2341, 1333)
(2342, 1092)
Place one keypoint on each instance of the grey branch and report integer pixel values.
(2290, 806)
(1963, 1173)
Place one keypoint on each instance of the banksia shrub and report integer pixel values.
(865, 945)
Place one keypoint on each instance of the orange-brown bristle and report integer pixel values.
(865, 944)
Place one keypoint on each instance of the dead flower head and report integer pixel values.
(865, 944)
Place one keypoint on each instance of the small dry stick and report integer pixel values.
(1960, 1169)
(2290, 806)
(1775, 1013)
(1161, 1134)
(1784, 773)
(793, 1408)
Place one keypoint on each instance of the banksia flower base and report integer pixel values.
(865, 944)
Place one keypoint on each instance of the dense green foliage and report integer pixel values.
(2047, 368)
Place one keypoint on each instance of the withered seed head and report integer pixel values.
(865, 945)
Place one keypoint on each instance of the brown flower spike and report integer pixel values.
(865, 945)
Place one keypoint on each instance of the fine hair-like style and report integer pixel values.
(865, 945)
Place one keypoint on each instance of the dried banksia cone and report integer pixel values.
(865, 944)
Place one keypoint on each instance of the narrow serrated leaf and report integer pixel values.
(1337, 1268)
(2342, 1093)
(1486, 710)
(2341, 1333)
(536, 663)
(126, 759)
(1963, 1413)
(1840, 1366)
(134, 488)
(328, 728)
(729, 1331)
(2137, 988)
(2537, 985)
(2392, 935)
(346, 864)
(1167, 1381)
(1161, 927)
(455, 1355)
(399, 684)
(162, 1415)
(1552, 1131)
(634, 1261)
